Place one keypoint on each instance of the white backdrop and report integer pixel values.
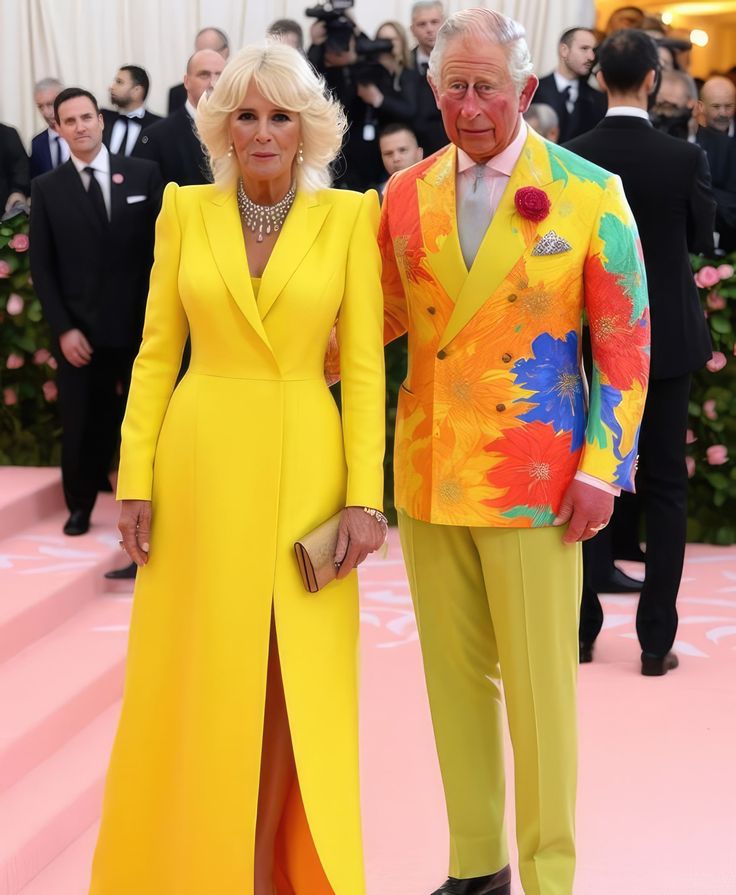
(83, 42)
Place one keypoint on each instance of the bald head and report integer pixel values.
(203, 70)
(717, 103)
(213, 39)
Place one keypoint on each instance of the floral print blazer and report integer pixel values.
(495, 416)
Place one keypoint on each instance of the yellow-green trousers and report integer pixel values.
(497, 610)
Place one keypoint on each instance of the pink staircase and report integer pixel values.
(63, 635)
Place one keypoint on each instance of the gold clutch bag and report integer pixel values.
(315, 554)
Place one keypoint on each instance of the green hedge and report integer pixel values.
(29, 423)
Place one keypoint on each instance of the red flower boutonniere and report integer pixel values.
(532, 203)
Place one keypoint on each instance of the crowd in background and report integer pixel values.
(382, 82)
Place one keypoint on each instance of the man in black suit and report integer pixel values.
(206, 39)
(173, 142)
(128, 93)
(579, 107)
(14, 177)
(92, 228)
(717, 105)
(48, 148)
(427, 17)
(667, 184)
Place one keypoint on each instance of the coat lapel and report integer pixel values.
(77, 190)
(301, 228)
(225, 235)
(507, 239)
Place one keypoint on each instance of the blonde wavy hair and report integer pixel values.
(287, 80)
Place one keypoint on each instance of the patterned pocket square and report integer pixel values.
(551, 244)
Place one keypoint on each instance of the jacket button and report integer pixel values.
(431, 310)
(506, 358)
(511, 297)
(441, 355)
(500, 407)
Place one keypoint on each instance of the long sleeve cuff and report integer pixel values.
(597, 483)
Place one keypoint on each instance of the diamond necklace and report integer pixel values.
(268, 218)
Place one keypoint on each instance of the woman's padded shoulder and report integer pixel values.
(180, 199)
(350, 201)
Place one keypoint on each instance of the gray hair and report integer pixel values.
(487, 25)
(545, 117)
(47, 84)
(675, 75)
(424, 5)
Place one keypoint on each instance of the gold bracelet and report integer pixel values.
(377, 515)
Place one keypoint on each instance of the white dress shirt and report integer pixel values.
(134, 129)
(563, 83)
(628, 112)
(101, 165)
(55, 140)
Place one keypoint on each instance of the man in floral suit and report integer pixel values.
(494, 248)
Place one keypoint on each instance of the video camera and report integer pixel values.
(341, 30)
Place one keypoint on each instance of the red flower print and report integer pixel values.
(620, 347)
(532, 203)
(536, 466)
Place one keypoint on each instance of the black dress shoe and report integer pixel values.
(77, 523)
(618, 582)
(495, 884)
(125, 574)
(586, 652)
(656, 666)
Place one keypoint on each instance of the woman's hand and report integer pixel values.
(135, 527)
(359, 534)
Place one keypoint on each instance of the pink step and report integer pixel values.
(69, 873)
(58, 685)
(51, 807)
(27, 494)
(46, 576)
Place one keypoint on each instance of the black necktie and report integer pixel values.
(125, 121)
(94, 191)
(55, 152)
(568, 100)
(423, 68)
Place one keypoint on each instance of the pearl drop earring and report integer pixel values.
(300, 154)
(230, 151)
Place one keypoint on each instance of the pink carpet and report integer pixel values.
(657, 807)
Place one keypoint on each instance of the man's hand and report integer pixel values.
(318, 33)
(587, 509)
(371, 95)
(75, 347)
(359, 534)
(15, 199)
(135, 527)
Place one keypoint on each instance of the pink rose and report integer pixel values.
(690, 463)
(725, 271)
(532, 203)
(14, 362)
(707, 277)
(49, 390)
(715, 301)
(41, 357)
(19, 242)
(717, 362)
(51, 362)
(709, 409)
(15, 304)
(717, 454)
(9, 397)
(690, 437)
(4, 270)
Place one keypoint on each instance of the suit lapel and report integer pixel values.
(301, 227)
(508, 237)
(117, 190)
(437, 215)
(225, 235)
(76, 189)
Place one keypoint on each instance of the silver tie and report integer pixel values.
(474, 213)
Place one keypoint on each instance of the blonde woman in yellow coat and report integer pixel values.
(211, 789)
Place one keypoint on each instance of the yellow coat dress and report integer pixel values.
(244, 456)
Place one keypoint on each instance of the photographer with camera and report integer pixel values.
(368, 77)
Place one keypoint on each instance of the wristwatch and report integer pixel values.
(377, 515)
